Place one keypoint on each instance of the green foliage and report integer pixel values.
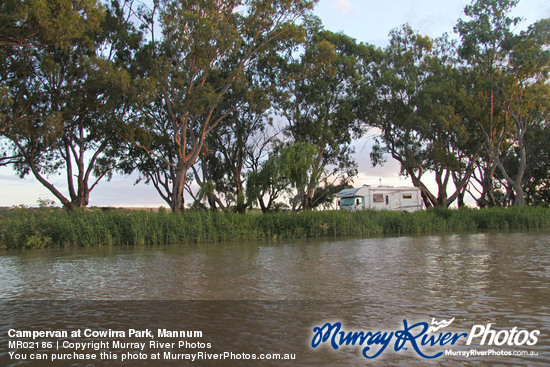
(420, 110)
(538, 169)
(325, 106)
(324, 197)
(48, 227)
(196, 77)
(65, 90)
(268, 181)
(509, 84)
(45, 203)
(78, 84)
(287, 170)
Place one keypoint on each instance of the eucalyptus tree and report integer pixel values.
(26, 28)
(65, 91)
(537, 185)
(419, 113)
(230, 148)
(525, 96)
(188, 72)
(322, 108)
(511, 85)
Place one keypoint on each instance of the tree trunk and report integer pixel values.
(241, 203)
(487, 196)
(518, 179)
(178, 187)
(262, 205)
(307, 201)
(460, 199)
(520, 198)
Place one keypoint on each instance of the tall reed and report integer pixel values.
(46, 227)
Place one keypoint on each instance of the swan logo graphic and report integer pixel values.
(435, 326)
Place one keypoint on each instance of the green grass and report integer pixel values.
(50, 227)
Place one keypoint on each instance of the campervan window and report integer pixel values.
(346, 201)
(377, 198)
(407, 196)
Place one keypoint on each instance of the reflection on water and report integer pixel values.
(371, 283)
(458, 269)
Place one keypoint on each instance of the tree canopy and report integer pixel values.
(199, 63)
(65, 91)
(253, 102)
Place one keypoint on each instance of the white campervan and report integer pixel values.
(381, 197)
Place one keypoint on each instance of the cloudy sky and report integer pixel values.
(367, 21)
(371, 20)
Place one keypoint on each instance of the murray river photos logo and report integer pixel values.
(423, 338)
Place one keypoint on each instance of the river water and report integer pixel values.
(269, 296)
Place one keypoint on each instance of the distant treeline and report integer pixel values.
(252, 103)
(51, 227)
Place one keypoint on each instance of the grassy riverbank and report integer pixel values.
(50, 227)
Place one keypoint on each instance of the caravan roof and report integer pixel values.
(354, 192)
(347, 192)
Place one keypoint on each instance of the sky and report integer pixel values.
(368, 21)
